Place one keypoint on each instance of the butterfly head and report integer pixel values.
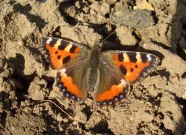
(97, 46)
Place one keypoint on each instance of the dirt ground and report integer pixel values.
(30, 102)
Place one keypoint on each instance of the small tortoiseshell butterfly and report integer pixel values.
(85, 69)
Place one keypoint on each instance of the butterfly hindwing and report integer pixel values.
(70, 84)
(134, 65)
(112, 87)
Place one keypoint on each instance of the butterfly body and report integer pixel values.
(93, 68)
(86, 70)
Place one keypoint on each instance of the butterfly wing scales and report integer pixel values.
(112, 87)
(70, 83)
(134, 65)
(59, 51)
(118, 70)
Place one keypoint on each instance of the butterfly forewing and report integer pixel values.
(60, 51)
(134, 65)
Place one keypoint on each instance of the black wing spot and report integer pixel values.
(123, 70)
(120, 57)
(59, 56)
(63, 45)
(136, 66)
(132, 57)
(144, 58)
(131, 70)
(72, 49)
(53, 42)
(56, 52)
(66, 59)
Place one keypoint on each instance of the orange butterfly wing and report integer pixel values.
(59, 51)
(135, 65)
(62, 54)
(118, 70)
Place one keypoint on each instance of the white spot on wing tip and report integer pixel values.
(149, 57)
(49, 40)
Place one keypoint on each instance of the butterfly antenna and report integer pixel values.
(109, 35)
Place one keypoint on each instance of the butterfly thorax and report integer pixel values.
(94, 57)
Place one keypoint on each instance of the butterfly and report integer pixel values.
(84, 69)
